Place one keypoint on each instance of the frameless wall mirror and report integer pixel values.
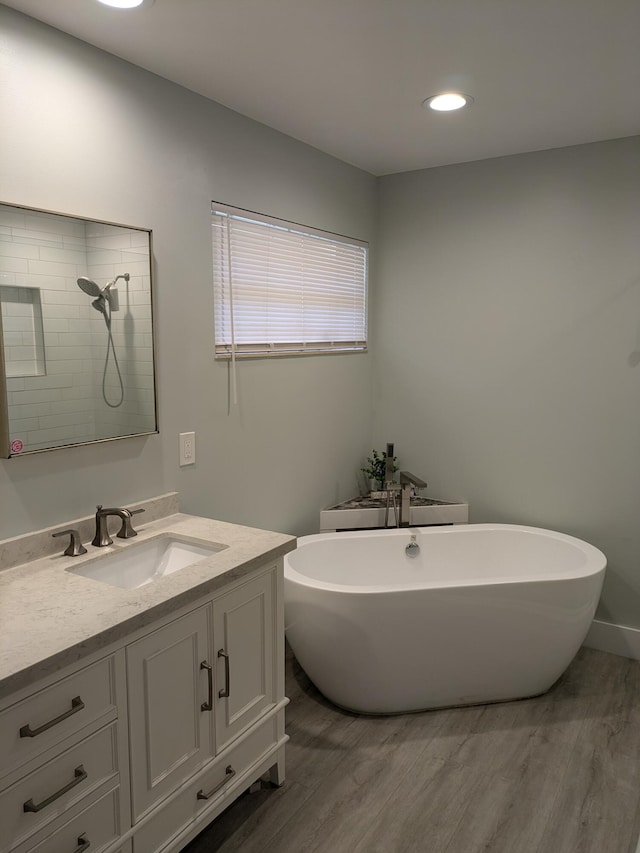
(77, 354)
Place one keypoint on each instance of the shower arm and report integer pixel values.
(108, 286)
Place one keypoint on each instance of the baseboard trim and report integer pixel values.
(616, 639)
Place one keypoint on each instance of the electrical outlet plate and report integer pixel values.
(187, 448)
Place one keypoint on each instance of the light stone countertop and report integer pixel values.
(50, 617)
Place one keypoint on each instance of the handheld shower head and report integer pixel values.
(100, 305)
(89, 287)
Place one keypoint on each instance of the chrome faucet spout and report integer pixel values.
(406, 477)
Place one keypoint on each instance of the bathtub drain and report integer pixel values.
(412, 549)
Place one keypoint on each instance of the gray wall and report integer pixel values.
(87, 134)
(508, 358)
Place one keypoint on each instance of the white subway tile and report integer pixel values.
(37, 267)
(109, 241)
(25, 369)
(77, 392)
(52, 223)
(19, 324)
(63, 297)
(22, 425)
(9, 249)
(30, 410)
(46, 437)
(63, 255)
(73, 313)
(70, 418)
(97, 257)
(14, 264)
(67, 353)
(34, 238)
(54, 324)
(75, 339)
(12, 217)
(35, 396)
(48, 382)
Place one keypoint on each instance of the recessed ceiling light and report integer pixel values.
(122, 4)
(448, 101)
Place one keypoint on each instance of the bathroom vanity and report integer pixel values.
(130, 718)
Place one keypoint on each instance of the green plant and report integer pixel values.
(376, 466)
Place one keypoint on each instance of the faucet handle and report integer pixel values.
(75, 546)
(127, 531)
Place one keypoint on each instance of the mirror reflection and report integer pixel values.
(77, 353)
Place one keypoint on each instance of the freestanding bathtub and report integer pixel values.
(483, 613)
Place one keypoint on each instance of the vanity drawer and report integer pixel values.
(48, 717)
(174, 815)
(45, 793)
(93, 830)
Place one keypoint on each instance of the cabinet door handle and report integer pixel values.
(80, 775)
(229, 773)
(76, 705)
(226, 690)
(208, 705)
(83, 843)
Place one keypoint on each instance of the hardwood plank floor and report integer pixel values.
(556, 774)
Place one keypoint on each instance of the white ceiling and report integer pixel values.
(349, 76)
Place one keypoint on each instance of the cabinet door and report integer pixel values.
(244, 644)
(169, 715)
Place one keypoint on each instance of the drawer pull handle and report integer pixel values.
(80, 774)
(83, 843)
(76, 705)
(229, 773)
(226, 690)
(208, 705)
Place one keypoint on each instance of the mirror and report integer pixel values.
(76, 324)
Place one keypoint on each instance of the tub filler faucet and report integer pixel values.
(390, 487)
(407, 480)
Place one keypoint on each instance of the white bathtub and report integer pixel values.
(484, 613)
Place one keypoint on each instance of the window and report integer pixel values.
(285, 289)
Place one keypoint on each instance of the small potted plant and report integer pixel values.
(375, 470)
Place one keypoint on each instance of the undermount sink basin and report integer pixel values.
(139, 564)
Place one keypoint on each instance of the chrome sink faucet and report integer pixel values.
(102, 538)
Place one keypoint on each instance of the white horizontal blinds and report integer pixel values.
(287, 289)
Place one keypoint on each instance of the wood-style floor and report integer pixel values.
(556, 774)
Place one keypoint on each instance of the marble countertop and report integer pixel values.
(50, 617)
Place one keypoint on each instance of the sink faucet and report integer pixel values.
(406, 481)
(102, 538)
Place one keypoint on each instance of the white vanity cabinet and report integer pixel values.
(169, 720)
(245, 646)
(177, 720)
(63, 763)
(197, 683)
